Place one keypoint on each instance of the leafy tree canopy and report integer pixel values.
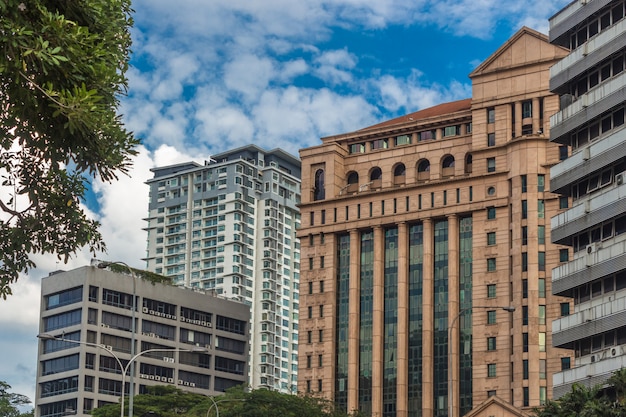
(9, 402)
(169, 401)
(598, 401)
(62, 72)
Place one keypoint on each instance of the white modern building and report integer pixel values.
(187, 338)
(591, 82)
(229, 225)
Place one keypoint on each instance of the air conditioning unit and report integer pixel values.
(619, 178)
(108, 347)
(186, 383)
(145, 309)
(163, 378)
(208, 324)
(151, 312)
(592, 248)
(182, 318)
(192, 384)
(168, 316)
(152, 334)
(593, 358)
(180, 382)
(173, 317)
(613, 352)
(203, 323)
(151, 377)
(170, 380)
(143, 376)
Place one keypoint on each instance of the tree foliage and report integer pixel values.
(598, 401)
(9, 402)
(62, 72)
(169, 401)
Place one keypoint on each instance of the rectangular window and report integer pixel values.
(541, 283)
(491, 370)
(526, 397)
(491, 264)
(525, 369)
(542, 314)
(357, 148)
(542, 342)
(403, 140)
(563, 202)
(542, 369)
(542, 261)
(524, 209)
(491, 115)
(321, 262)
(524, 183)
(524, 235)
(541, 235)
(451, 130)
(564, 309)
(565, 363)
(563, 153)
(491, 238)
(491, 164)
(491, 290)
(524, 288)
(524, 315)
(491, 343)
(491, 139)
(524, 261)
(541, 209)
(527, 109)
(541, 183)
(379, 144)
(322, 310)
(491, 317)
(525, 342)
(491, 213)
(543, 395)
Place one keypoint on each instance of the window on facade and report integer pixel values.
(524, 209)
(541, 259)
(541, 284)
(525, 342)
(491, 290)
(524, 288)
(491, 164)
(525, 396)
(491, 213)
(468, 164)
(491, 264)
(491, 343)
(541, 183)
(403, 140)
(310, 312)
(542, 342)
(541, 209)
(563, 202)
(563, 153)
(527, 109)
(491, 370)
(542, 314)
(525, 369)
(542, 369)
(564, 309)
(357, 148)
(491, 115)
(491, 317)
(491, 238)
(524, 261)
(423, 166)
(524, 235)
(451, 130)
(491, 139)
(524, 315)
(319, 187)
(379, 144)
(565, 363)
(426, 135)
(524, 179)
(541, 235)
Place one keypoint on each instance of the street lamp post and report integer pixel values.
(131, 384)
(215, 403)
(124, 369)
(451, 382)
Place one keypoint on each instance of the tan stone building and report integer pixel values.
(426, 228)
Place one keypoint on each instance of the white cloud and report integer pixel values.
(248, 74)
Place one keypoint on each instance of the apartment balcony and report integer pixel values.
(601, 153)
(591, 370)
(597, 316)
(591, 210)
(598, 260)
(569, 17)
(588, 106)
(588, 55)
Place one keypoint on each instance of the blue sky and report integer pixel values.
(208, 76)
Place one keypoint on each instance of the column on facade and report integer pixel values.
(453, 308)
(509, 126)
(402, 356)
(428, 354)
(518, 118)
(353, 325)
(378, 321)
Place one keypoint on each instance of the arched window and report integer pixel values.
(423, 170)
(319, 192)
(376, 179)
(468, 163)
(447, 166)
(399, 174)
(353, 182)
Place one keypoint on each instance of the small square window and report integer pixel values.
(563, 255)
(491, 238)
(563, 203)
(491, 264)
(565, 363)
(491, 213)
(564, 309)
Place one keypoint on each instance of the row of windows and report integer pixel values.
(600, 232)
(541, 289)
(596, 24)
(603, 125)
(401, 140)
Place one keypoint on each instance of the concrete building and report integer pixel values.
(230, 226)
(421, 229)
(92, 309)
(591, 83)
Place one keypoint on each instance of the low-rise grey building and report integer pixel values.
(188, 338)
